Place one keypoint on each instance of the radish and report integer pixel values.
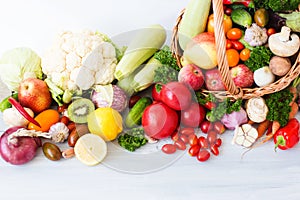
(18, 150)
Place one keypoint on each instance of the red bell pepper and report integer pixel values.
(288, 136)
(247, 3)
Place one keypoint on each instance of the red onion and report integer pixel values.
(19, 150)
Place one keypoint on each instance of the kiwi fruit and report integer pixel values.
(79, 109)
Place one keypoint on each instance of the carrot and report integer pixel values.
(294, 110)
(293, 90)
(275, 127)
(262, 127)
(250, 122)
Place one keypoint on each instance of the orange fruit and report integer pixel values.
(46, 119)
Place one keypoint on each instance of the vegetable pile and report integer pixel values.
(86, 91)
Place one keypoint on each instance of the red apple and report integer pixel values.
(213, 80)
(192, 76)
(242, 76)
(34, 94)
(201, 51)
(193, 116)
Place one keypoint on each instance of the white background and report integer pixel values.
(261, 174)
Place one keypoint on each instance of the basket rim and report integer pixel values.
(236, 92)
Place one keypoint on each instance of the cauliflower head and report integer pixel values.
(79, 60)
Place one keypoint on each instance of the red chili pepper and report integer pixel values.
(247, 3)
(22, 111)
(288, 136)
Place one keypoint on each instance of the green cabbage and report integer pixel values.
(18, 64)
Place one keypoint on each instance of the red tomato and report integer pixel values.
(169, 148)
(193, 116)
(184, 139)
(211, 137)
(193, 140)
(219, 127)
(214, 149)
(176, 95)
(202, 141)
(218, 142)
(194, 150)
(180, 145)
(237, 45)
(155, 94)
(228, 44)
(187, 131)
(245, 54)
(175, 136)
(203, 155)
(271, 31)
(159, 121)
(234, 34)
(205, 126)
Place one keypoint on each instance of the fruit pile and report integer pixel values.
(73, 101)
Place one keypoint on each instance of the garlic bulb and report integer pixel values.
(245, 135)
(257, 109)
(59, 132)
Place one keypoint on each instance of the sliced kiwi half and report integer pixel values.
(79, 109)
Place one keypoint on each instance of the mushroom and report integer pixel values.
(245, 135)
(284, 44)
(280, 65)
(257, 109)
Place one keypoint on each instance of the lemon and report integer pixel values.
(105, 122)
(90, 149)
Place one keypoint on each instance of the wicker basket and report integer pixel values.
(232, 90)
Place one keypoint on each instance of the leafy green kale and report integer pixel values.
(259, 57)
(165, 57)
(277, 5)
(169, 71)
(225, 107)
(132, 139)
(203, 99)
(279, 106)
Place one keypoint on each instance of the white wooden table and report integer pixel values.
(260, 174)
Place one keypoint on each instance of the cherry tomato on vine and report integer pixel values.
(233, 57)
(234, 34)
(245, 54)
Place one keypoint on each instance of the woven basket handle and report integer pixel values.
(221, 50)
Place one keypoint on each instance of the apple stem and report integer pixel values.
(22, 111)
